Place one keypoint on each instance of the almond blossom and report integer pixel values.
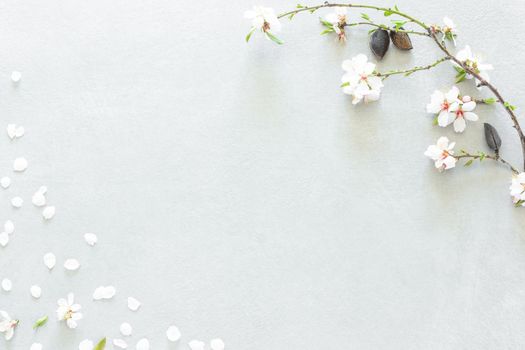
(462, 111)
(440, 104)
(69, 311)
(474, 63)
(338, 21)
(517, 189)
(359, 80)
(449, 30)
(7, 325)
(442, 154)
(265, 20)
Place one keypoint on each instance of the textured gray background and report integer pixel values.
(237, 193)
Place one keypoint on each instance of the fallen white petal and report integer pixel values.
(48, 212)
(143, 344)
(50, 260)
(36, 346)
(126, 329)
(71, 264)
(17, 202)
(38, 199)
(98, 294)
(217, 344)
(119, 343)
(4, 239)
(7, 285)
(173, 333)
(91, 238)
(9, 227)
(36, 291)
(109, 292)
(11, 131)
(133, 304)
(196, 345)
(5, 182)
(20, 131)
(16, 76)
(20, 164)
(85, 344)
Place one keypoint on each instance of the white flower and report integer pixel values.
(517, 189)
(7, 325)
(338, 21)
(359, 80)
(474, 62)
(69, 311)
(461, 111)
(440, 104)
(442, 154)
(264, 19)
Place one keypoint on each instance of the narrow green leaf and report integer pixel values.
(345, 84)
(40, 322)
(326, 31)
(326, 23)
(292, 16)
(365, 17)
(299, 6)
(490, 100)
(387, 13)
(396, 8)
(460, 77)
(101, 345)
(435, 120)
(250, 34)
(509, 106)
(459, 69)
(274, 38)
(519, 203)
(469, 163)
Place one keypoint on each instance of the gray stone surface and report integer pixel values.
(238, 194)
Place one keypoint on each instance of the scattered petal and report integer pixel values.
(7, 285)
(16, 76)
(20, 164)
(5, 182)
(104, 292)
(85, 345)
(9, 227)
(217, 344)
(143, 344)
(126, 329)
(36, 346)
(91, 238)
(119, 343)
(133, 304)
(48, 212)
(50, 260)
(4, 239)
(14, 131)
(173, 333)
(36, 291)
(17, 202)
(39, 199)
(71, 264)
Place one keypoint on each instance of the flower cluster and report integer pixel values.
(265, 20)
(449, 109)
(517, 189)
(473, 62)
(336, 21)
(359, 80)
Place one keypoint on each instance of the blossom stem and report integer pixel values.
(483, 82)
(482, 156)
(382, 26)
(407, 72)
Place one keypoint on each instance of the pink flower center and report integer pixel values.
(445, 106)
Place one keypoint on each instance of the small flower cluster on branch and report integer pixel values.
(364, 83)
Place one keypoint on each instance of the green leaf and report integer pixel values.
(459, 69)
(40, 322)
(274, 38)
(460, 77)
(482, 156)
(326, 31)
(101, 345)
(250, 34)
(469, 163)
(366, 17)
(326, 23)
(519, 203)
(435, 120)
(299, 6)
(371, 31)
(490, 101)
(345, 84)
(396, 8)
(509, 106)
(387, 13)
(292, 15)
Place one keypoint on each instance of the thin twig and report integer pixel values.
(494, 157)
(412, 70)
